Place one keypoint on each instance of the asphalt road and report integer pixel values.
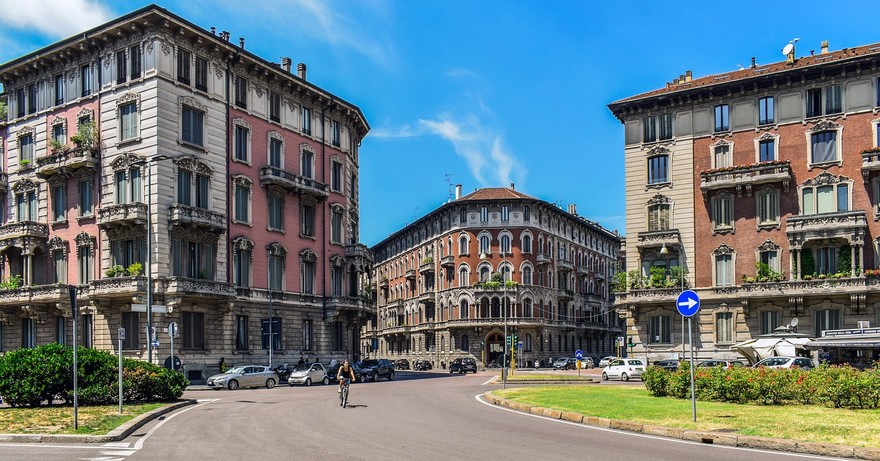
(420, 415)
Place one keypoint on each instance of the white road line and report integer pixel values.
(140, 443)
(479, 398)
(119, 453)
(116, 445)
(490, 381)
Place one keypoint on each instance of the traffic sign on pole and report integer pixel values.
(688, 303)
(579, 354)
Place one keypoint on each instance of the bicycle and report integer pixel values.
(343, 396)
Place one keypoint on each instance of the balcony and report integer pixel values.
(295, 184)
(870, 162)
(564, 293)
(447, 261)
(849, 225)
(649, 295)
(122, 214)
(51, 294)
(110, 287)
(23, 230)
(542, 258)
(746, 177)
(358, 250)
(427, 296)
(383, 283)
(184, 286)
(427, 266)
(348, 306)
(658, 238)
(564, 264)
(410, 274)
(67, 161)
(189, 216)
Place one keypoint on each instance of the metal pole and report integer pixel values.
(149, 262)
(269, 296)
(120, 369)
(75, 367)
(506, 340)
(693, 396)
(172, 349)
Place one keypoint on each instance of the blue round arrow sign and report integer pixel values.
(688, 303)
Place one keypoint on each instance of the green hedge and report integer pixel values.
(837, 386)
(44, 375)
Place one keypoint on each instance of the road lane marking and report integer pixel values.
(117, 445)
(140, 443)
(490, 381)
(479, 398)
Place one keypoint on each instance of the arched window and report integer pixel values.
(463, 276)
(527, 308)
(463, 245)
(527, 244)
(484, 274)
(505, 244)
(527, 342)
(463, 309)
(465, 343)
(527, 275)
(484, 243)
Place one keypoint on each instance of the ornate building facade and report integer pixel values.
(757, 188)
(448, 283)
(151, 148)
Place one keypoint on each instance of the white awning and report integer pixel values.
(763, 347)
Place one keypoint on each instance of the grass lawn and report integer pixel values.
(798, 422)
(59, 420)
(526, 377)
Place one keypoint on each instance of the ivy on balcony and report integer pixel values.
(728, 169)
(659, 277)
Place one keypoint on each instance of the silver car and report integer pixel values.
(244, 376)
(308, 373)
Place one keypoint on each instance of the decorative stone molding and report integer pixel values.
(126, 160)
(308, 255)
(723, 249)
(191, 102)
(23, 186)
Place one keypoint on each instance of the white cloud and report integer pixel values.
(56, 19)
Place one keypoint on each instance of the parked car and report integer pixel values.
(624, 369)
(421, 365)
(358, 373)
(587, 362)
(244, 376)
(606, 360)
(283, 371)
(565, 363)
(308, 373)
(668, 365)
(786, 362)
(463, 365)
(375, 369)
(401, 364)
(720, 363)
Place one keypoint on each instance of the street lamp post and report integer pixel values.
(269, 296)
(149, 260)
(504, 305)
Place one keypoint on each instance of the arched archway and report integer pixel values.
(494, 348)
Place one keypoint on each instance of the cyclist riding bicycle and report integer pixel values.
(346, 370)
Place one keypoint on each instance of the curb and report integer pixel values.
(115, 435)
(707, 437)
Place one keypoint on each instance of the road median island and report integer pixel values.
(812, 429)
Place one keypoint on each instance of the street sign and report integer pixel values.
(620, 340)
(519, 345)
(156, 343)
(157, 308)
(579, 354)
(122, 334)
(172, 329)
(688, 303)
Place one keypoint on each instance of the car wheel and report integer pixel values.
(604, 376)
(375, 377)
(363, 378)
(450, 371)
(270, 383)
(308, 381)
(624, 377)
(326, 381)
(233, 385)
(391, 376)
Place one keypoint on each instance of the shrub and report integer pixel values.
(656, 380)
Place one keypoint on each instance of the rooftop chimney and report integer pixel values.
(753, 65)
(213, 31)
(824, 46)
(572, 209)
(512, 186)
(285, 63)
(224, 35)
(457, 191)
(688, 76)
(241, 42)
(301, 70)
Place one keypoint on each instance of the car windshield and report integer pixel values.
(236, 370)
(302, 367)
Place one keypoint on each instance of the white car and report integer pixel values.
(605, 361)
(624, 369)
(786, 362)
(308, 373)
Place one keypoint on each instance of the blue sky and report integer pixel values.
(484, 93)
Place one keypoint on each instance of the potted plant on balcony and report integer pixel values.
(135, 269)
(11, 283)
(55, 146)
(85, 135)
(115, 271)
(24, 163)
(427, 260)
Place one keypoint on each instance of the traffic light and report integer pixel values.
(631, 343)
(514, 341)
(482, 345)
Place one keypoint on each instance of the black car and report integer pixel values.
(359, 375)
(375, 369)
(463, 365)
(421, 365)
(669, 365)
(401, 364)
(283, 371)
(565, 363)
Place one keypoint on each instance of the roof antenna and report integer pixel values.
(450, 188)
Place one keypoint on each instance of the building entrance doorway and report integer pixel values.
(494, 349)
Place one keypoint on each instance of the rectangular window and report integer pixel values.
(121, 73)
(334, 133)
(658, 169)
(826, 319)
(192, 259)
(722, 156)
(809, 206)
(127, 252)
(771, 259)
(241, 333)
(505, 214)
(724, 328)
(58, 134)
(134, 54)
(20, 102)
(814, 102)
(275, 152)
(276, 273)
(203, 184)
(336, 227)
(665, 127)
(59, 89)
(132, 325)
(826, 260)
(59, 262)
(60, 330)
(242, 197)
(484, 214)
(241, 143)
(306, 120)
(823, 147)
(59, 205)
(26, 145)
(723, 270)
(85, 79)
(766, 111)
(193, 330)
(336, 176)
(87, 330)
(128, 128)
(833, 99)
(276, 212)
(307, 335)
(649, 129)
(32, 99)
(85, 197)
(769, 322)
(192, 126)
(272, 328)
(28, 333)
(184, 187)
(242, 268)
(308, 220)
(658, 218)
(722, 117)
(306, 164)
(308, 278)
(201, 74)
(26, 206)
(352, 189)
(86, 266)
(274, 106)
(825, 199)
(842, 197)
(241, 86)
(660, 329)
(767, 150)
(183, 60)
(768, 207)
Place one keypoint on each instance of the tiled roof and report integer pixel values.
(761, 71)
(496, 193)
